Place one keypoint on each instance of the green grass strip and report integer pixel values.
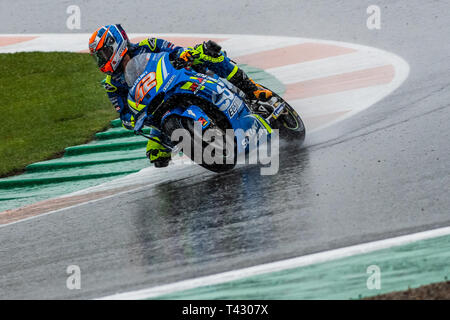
(48, 101)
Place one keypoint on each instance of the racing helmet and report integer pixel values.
(108, 45)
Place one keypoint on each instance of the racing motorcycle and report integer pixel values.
(170, 97)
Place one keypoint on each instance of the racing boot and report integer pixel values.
(158, 155)
(251, 89)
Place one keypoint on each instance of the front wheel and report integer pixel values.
(218, 151)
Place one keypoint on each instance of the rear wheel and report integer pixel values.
(289, 123)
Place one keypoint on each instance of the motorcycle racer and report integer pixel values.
(112, 50)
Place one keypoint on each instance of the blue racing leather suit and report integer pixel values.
(116, 86)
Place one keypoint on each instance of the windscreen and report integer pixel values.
(135, 68)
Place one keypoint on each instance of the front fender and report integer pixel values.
(192, 112)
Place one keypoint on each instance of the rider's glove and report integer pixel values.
(186, 59)
(190, 55)
(212, 49)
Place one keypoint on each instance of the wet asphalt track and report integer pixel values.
(382, 173)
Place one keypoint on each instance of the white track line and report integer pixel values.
(235, 45)
(49, 42)
(246, 45)
(76, 205)
(139, 178)
(327, 67)
(278, 266)
(337, 102)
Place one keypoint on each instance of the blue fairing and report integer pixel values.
(160, 76)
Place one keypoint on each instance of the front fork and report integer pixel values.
(270, 110)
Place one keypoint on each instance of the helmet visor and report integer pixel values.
(103, 55)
